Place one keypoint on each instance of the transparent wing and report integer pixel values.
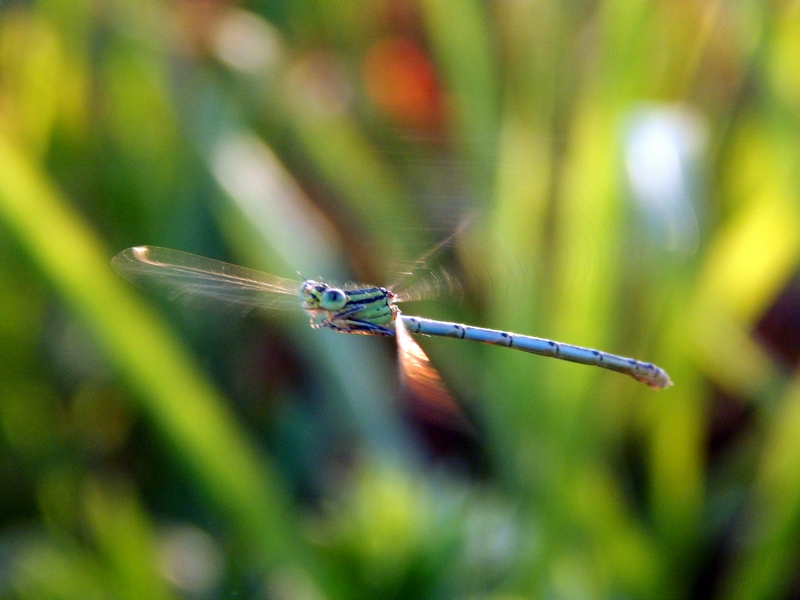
(430, 285)
(189, 278)
(431, 401)
(421, 281)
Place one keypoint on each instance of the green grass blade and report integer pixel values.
(176, 396)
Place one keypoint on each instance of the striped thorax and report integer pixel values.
(369, 311)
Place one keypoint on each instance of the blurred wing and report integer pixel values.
(419, 281)
(431, 401)
(429, 285)
(188, 278)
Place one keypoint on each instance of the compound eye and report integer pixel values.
(333, 299)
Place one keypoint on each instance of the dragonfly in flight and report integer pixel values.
(361, 310)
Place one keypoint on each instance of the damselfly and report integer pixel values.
(362, 310)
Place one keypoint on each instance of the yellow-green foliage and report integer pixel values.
(629, 172)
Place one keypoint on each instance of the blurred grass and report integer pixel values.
(631, 172)
(178, 398)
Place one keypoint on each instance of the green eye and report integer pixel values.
(333, 299)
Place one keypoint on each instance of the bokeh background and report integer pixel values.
(613, 173)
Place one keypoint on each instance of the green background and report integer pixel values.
(618, 174)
